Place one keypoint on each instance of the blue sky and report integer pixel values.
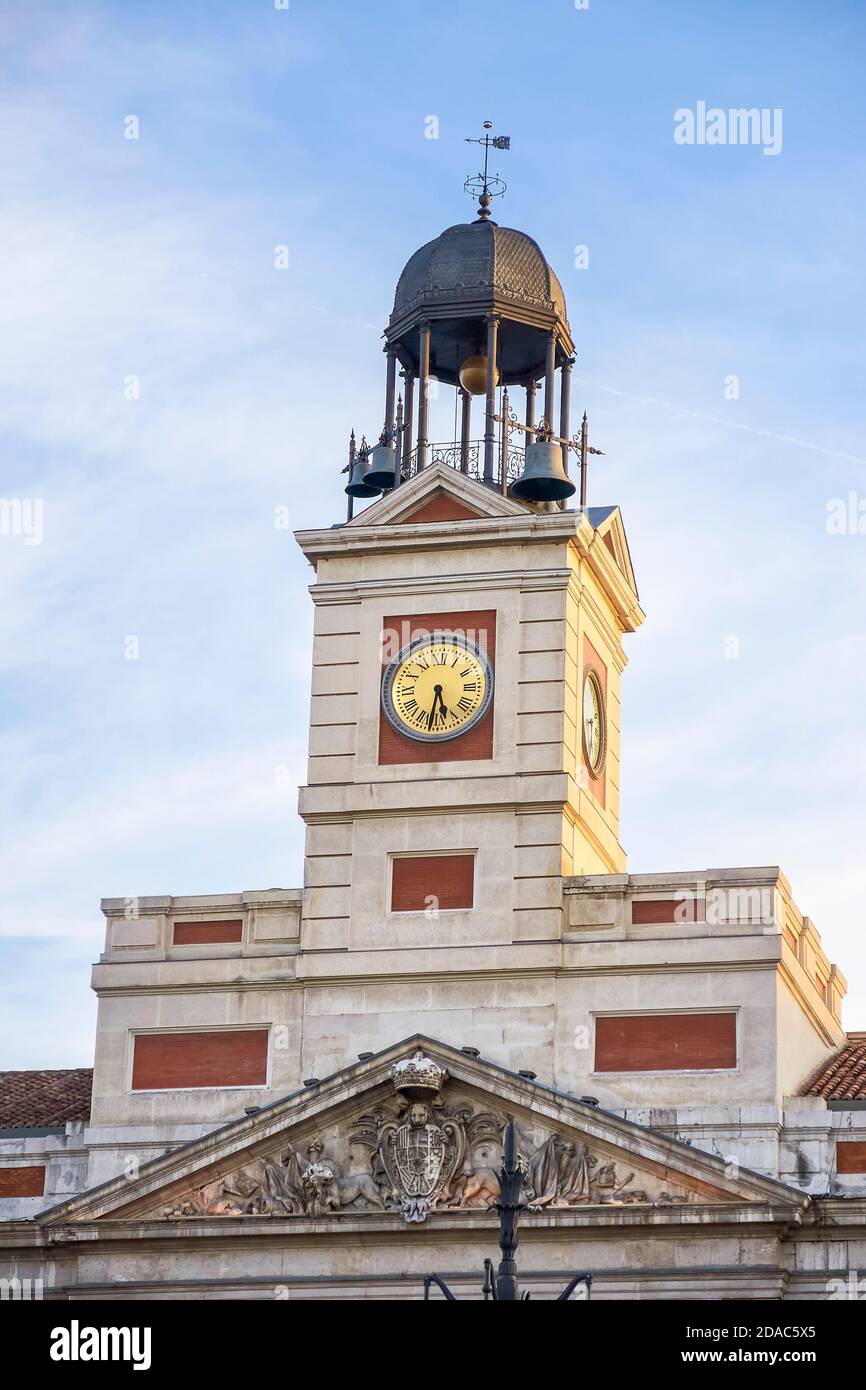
(154, 258)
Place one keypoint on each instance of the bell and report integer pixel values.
(543, 478)
(359, 478)
(383, 467)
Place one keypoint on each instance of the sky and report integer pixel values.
(168, 384)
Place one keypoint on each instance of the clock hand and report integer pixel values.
(437, 695)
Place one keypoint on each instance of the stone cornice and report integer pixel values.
(595, 1222)
(387, 537)
(275, 898)
(351, 591)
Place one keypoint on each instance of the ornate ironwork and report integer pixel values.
(469, 458)
(451, 454)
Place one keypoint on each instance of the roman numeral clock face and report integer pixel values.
(594, 723)
(438, 687)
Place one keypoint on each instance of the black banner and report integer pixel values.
(218, 1336)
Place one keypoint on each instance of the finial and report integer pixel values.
(585, 450)
(484, 186)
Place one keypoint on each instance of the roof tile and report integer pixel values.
(35, 1099)
(844, 1076)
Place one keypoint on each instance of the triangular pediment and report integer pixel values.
(610, 532)
(411, 1132)
(437, 488)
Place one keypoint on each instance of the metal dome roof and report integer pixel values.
(479, 261)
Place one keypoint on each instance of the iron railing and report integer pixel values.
(451, 453)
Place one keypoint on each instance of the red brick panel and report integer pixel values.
(666, 1042)
(207, 933)
(851, 1156)
(441, 507)
(667, 911)
(168, 1061)
(22, 1182)
(476, 743)
(447, 877)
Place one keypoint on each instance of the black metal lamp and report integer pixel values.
(502, 1287)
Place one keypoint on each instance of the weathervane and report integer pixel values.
(485, 187)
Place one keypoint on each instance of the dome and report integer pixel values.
(453, 284)
(479, 262)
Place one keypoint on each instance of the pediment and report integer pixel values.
(609, 530)
(438, 488)
(412, 1132)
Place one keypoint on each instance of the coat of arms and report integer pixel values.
(420, 1157)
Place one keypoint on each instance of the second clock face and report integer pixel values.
(438, 687)
(594, 729)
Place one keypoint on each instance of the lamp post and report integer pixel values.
(502, 1287)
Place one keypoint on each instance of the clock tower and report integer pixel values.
(465, 721)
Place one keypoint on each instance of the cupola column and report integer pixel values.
(490, 408)
(390, 392)
(465, 428)
(408, 416)
(398, 443)
(549, 379)
(531, 391)
(423, 382)
(565, 406)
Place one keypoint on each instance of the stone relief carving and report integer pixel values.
(327, 1188)
(414, 1154)
(265, 1187)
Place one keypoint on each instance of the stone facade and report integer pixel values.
(666, 1176)
(313, 1196)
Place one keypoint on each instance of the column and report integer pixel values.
(423, 379)
(408, 414)
(531, 393)
(549, 380)
(390, 393)
(465, 428)
(398, 442)
(490, 407)
(565, 406)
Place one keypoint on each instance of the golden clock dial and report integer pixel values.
(594, 730)
(437, 687)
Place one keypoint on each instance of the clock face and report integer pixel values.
(594, 729)
(438, 687)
